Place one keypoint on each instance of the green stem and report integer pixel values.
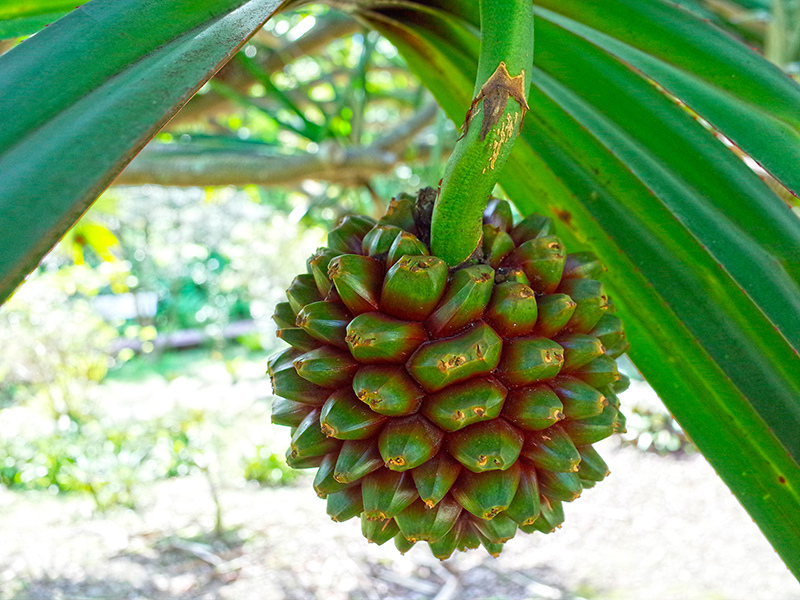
(491, 127)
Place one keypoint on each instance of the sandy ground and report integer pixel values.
(657, 528)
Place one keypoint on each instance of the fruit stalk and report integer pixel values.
(491, 126)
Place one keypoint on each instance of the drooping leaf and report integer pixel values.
(702, 256)
(108, 76)
(738, 92)
(25, 17)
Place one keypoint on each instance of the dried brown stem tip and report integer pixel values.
(495, 94)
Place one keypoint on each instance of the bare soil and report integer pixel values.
(656, 528)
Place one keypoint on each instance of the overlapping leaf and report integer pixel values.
(24, 17)
(702, 255)
(80, 98)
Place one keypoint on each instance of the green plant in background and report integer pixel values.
(773, 24)
(322, 116)
(63, 426)
(702, 254)
(70, 355)
(268, 468)
(54, 435)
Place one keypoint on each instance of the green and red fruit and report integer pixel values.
(450, 406)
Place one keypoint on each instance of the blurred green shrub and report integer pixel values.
(268, 468)
(650, 426)
(98, 456)
(654, 430)
(55, 431)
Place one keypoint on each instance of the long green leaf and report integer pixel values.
(738, 92)
(86, 94)
(700, 252)
(14, 9)
(24, 17)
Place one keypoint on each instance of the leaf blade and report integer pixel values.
(85, 119)
(661, 274)
(753, 101)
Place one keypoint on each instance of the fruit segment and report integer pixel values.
(324, 481)
(543, 260)
(288, 412)
(584, 265)
(526, 506)
(591, 300)
(388, 390)
(445, 362)
(592, 466)
(413, 287)
(609, 330)
(486, 446)
(498, 214)
(326, 366)
(405, 244)
(468, 536)
(531, 227)
(356, 459)
(555, 311)
(401, 213)
(345, 504)
(462, 404)
(298, 338)
(498, 530)
(420, 522)
(580, 399)
(286, 383)
(358, 281)
(308, 440)
(565, 487)
(284, 315)
(552, 449)
(435, 477)
(317, 266)
(512, 310)
(402, 544)
(408, 442)
(347, 237)
(303, 290)
(579, 349)
(379, 239)
(378, 531)
(594, 429)
(551, 517)
(375, 338)
(530, 360)
(600, 372)
(326, 322)
(497, 244)
(345, 418)
(489, 493)
(387, 493)
(534, 407)
(444, 547)
(511, 275)
(467, 295)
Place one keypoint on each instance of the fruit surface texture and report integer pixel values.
(450, 406)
